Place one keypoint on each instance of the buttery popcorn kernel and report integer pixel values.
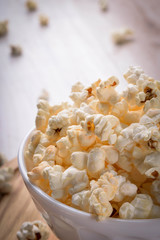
(101, 154)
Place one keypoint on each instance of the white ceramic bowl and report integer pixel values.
(71, 224)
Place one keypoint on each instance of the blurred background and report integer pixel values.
(75, 46)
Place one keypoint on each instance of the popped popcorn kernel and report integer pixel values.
(79, 160)
(5, 175)
(33, 230)
(31, 5)
(139, 208)
(57, 125)
(43, 115)
(44, 20)
(3, 159)
(122, 35)
(81, 200)
(3, 28)
(106, 91)
(103, 5)
(44, 95)
(16, 50)
(96, 162)
(101, 153)
(99, 204)
(54, 175)
(104, 127)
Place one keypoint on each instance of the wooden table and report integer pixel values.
(76, 46)
(17, 207)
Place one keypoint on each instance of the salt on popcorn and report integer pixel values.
(102, 153)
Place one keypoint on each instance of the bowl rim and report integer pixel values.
(47, 198)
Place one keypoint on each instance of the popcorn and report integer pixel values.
(5, 175)
(76, 179)
(34, 140)
(43, 20)
(37, 172)
(111, 154)
(122, 35)
(152, 160)
(79, 138)
(103, 108)
(104, 127)
(33, 230)
(3, 28)
(54, 175)
(129, 94)
(50, 154)
(79, 97)
(155, 211)
(96, 162)
(99, 204)
(124, 188)
(72, 178)
(42, 115)
(81, 200)
(16, 50)
(126, 211)
(151, 118)
(155, 190)
(79, 160)
(139, 208)
(38, 154)
(133, 74)
(103, 5)
(58, 124)
(3, 159)
(108, 183)
(98, 153)
(44, 95)
(31, 5)
(77, 87)
(106, 91)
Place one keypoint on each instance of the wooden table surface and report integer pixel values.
(76, 46)
(17, 207)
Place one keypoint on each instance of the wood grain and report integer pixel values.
(17, 207)
(76, 46)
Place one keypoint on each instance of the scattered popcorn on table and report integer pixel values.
(101, 154)
(44, 20)
(3, 28)
(31, 5)
(36, 230)
(16, 50)
(122, 35)
(5, 175)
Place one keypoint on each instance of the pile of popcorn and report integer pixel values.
(101, 155)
